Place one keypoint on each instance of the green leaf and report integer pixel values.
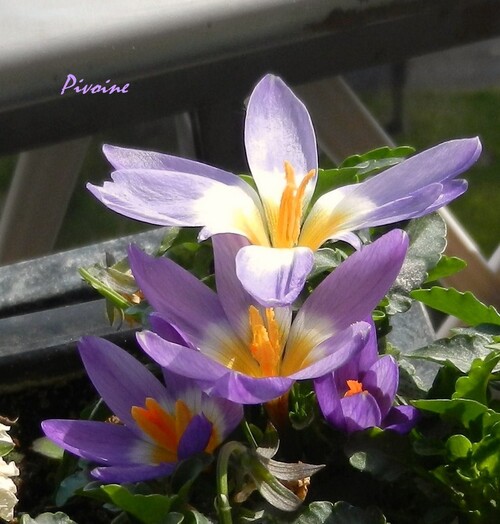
(168, 240)
(384, 454)
(330, 179)
(148, 509)
(486, 452)
(338, 513)
(47, 518)
(461, 410)
(46, 447)
(459, 350)
(464, 306)
(427, 242)
(458, 447)
(325, 259)
(446, 267)
(474, 386)
(188, 471)
(395, 154)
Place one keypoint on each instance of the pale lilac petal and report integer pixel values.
(329, 355)
(122, 474)
(451, 189)
(278, 128)
(354, 289)
(177, 295)
(401, 419)
(170, 198)
(382, 380)
(122, 158)
(349, 238)
(195, 438)
(96, 441)
(119, 378)
(360, 411)
(274, 277)
(224, 414)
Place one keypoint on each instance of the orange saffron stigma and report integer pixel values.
(265, 345)
(290, 211)
(355, 387)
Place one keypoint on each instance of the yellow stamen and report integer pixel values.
(355, 387)
(265, 345)
(290, 210)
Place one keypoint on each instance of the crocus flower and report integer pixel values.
(282, 156)
(360, 394)
(158, 426)
(244, 352)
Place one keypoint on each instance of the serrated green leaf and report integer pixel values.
(330, 179)
(427, 243)
(486, 453)
(464, 306)
(461, 410)
(446, 267)
(474, 386)
(459, 350)
(338, 513)
(384, 152)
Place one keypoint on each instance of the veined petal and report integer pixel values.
(167, 331)
(360, 411)
(274, 277)
(329, 400)
(119, 378)
(121, 474)
(451, 190)
(184, 301)
(99, 442)
(382, 379)
(352, 291)
(278, 129)
(325, 357)
(224, 415)
(171, 198)
(401, 419)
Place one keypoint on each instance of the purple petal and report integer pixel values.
(177, 295)
(98, 441)
(250, 390)
(329, 401)
(354, 289)
(451, 190)
(195, 438)
(122, 474)
(223, 414)
(119, 378)
(166, 330)
(234, 299)
(274, 277)
(360, 411)
(179, 359)
(278, 128)
(330, 354)
(382, 380)
(401, 419)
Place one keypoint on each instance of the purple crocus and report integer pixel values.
(157, 426)
(244, 352)
(282, 156)
(360, 394)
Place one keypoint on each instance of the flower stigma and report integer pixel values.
(354, 387)
(286, 233)
(265, 345)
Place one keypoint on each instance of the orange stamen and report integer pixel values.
(265, 345)
(355, 387)
(290, 210)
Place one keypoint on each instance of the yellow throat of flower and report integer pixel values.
(287, 230)
(265, 345)
(166, 429)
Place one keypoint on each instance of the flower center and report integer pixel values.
(354, 387)
(265, 345)
(290, 210)
(165, 429)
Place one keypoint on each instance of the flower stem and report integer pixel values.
(222, 502)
